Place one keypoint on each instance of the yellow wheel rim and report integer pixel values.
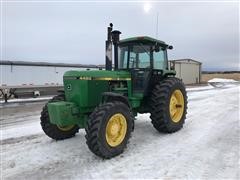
(116, 130)
(65, 128)
(176, 106)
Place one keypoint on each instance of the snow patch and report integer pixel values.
(221, 80)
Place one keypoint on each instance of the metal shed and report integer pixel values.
(188, 70)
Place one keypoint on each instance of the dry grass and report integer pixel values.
(235, 76)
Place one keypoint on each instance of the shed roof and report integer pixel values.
(186, 61)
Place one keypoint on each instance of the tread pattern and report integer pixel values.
(159, 103)
(95, 137)
(52, 130)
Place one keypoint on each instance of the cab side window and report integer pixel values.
(160, 59)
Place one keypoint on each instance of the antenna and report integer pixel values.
(157, 27)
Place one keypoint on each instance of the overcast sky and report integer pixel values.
(74, 32)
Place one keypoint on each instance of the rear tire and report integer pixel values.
(108, 129)
(53, 131)
(166, 117)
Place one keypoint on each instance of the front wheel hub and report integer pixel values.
(116, 130)
(65, 128)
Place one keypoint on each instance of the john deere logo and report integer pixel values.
(69, 87)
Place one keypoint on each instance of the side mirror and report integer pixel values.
(172, 65)
(170, 47)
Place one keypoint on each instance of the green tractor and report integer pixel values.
(105, 102)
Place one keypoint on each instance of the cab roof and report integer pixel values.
(143, 39)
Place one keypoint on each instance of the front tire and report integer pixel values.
(54, 131)
(108, 129)
(168, 105)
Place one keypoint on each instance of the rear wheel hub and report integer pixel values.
(176, 106)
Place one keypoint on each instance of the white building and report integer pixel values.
(188, 70)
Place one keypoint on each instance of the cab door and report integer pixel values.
(140, 65)
(140, 80)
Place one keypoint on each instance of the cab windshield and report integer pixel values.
(141, 56)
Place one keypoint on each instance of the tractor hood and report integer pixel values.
(85, 88)
(97, 75)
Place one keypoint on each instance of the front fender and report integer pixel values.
(110, 96)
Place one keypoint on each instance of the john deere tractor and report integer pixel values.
(105, 102)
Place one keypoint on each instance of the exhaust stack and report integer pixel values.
(115, 40)
(108, 60)
(112, 39)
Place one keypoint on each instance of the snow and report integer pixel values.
(206, 148)
(19, 131)
(221, 80)
(222, 83)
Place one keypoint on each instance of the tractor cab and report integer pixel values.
(143, 57)
(142, 53)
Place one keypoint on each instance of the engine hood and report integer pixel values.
(97, 75)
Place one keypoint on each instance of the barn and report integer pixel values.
(188, 70)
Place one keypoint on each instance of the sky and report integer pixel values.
(75, 32)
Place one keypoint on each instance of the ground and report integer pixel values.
(207, 147)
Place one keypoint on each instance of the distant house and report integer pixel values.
(188, 70)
